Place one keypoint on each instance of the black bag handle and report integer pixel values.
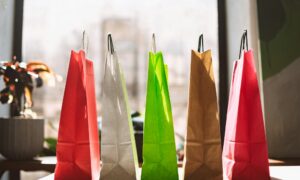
(110, 45)
(153, 45)
(200, 44)
(110, 48)
(244, 41)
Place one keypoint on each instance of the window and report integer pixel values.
(52, 28)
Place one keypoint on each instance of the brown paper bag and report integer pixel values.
(203, 142)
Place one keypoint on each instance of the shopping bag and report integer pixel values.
(203, 157)
(118, 150)
(77, 148)
(159, 151)
(245, 153)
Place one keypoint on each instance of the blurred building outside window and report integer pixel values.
(53, 28)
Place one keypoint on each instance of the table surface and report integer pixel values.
(276, 172)
(279, 168)
(37, 164)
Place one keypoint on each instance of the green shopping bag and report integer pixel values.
(159, 152)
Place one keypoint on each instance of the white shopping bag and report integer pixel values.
(118, 150)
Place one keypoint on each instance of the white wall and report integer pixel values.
(241, 15)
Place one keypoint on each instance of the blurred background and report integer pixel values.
(52, 28)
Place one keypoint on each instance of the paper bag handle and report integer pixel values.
(153, 47)
(110, 45)
(244, 41)
(85, 42)
(111, 50)
(200, 44)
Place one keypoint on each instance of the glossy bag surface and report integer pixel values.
(245, 154)
(78, 154)
(203, 157)
(159, 151)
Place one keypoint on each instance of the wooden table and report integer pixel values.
(38, 164)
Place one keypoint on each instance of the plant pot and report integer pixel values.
(21, 138)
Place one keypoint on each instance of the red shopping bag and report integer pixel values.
(245, 154)
(77, 148)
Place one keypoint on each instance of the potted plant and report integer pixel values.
(22, 134)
